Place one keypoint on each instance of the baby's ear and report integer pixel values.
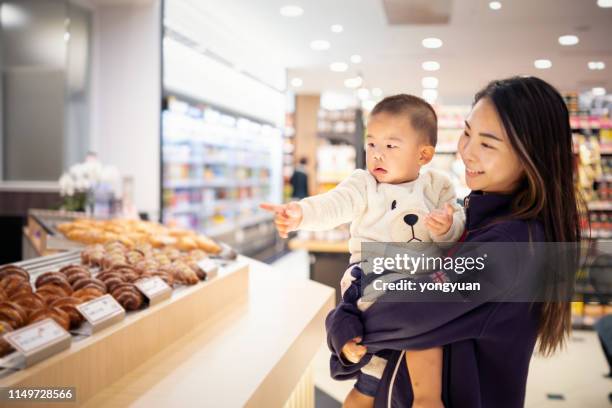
(426, 153)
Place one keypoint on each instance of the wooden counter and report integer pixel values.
(254, 354)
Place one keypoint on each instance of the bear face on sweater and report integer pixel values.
(407, 223)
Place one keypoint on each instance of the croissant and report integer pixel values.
(68, 305)
(90, 282)
(14, 286)
(93, 255)
(5, 347)
(54, 278)
(55, 313)
(13, 314)
(71, 270)
(128, 296)
(12, 270)
(50, 292)
(29, 301)
(87, 294)
(111, 280)
(184, 274)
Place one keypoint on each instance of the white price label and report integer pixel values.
(36, 336)
(100, 309)
(153, 286)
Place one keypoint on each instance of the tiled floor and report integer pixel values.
(576, 374)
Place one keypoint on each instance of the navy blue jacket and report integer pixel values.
(487, 344)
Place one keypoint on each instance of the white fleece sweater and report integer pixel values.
(381, 212)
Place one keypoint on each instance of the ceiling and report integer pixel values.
(480, 44)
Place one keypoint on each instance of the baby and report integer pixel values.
(390, 202)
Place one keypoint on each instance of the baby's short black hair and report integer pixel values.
(422, 116)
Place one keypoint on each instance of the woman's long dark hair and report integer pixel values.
(536, 120)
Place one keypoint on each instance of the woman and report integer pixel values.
(517, 149)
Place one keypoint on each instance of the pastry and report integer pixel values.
(128, 296)
(89, 283)
(87, 294)
(207, 244)
(70, 270)
(54, 313)
(54, 278)
(183, 273)
(51, 292)
(129, 273)
(29, 301)
(5, 347)
(14, 286)
(68, 305)
(12, 270)
(13, 314)
(111, 280)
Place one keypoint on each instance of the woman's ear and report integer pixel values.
(426, 153)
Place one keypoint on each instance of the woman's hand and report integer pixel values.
(354, 352)
(287, 217)
(438, 222)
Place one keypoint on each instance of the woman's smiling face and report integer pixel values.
(491, 164)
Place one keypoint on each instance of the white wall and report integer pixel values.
(126, 95)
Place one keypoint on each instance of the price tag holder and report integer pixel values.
(101, 312)
(209, 267)
(39, 340)
(154, 288)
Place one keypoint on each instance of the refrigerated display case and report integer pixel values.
(217, 167)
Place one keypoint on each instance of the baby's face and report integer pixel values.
(393, 149)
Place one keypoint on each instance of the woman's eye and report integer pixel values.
(370, 144)
(465, 134)
(486, 146)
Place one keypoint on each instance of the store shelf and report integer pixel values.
(218, 183)
(600, 206)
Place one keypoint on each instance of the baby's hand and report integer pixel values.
(287, 216)
(438, 222)
(354, 352)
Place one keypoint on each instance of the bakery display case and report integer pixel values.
(67, 293)
(141, 352)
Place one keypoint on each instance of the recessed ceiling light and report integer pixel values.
(356, 59)
(66, 36)
(495, 5)
(431, 65)
(604, 3)
(596, 65)
(432, 42)
(291, 10)
(297, 82)
(430, 95)
(338, 66)
(429, 82)
(353, 82)
(568, 40)
(377, 92)
(542, 64)
(336, 28)
(599, 91)
(363, 93)
(320, 45)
